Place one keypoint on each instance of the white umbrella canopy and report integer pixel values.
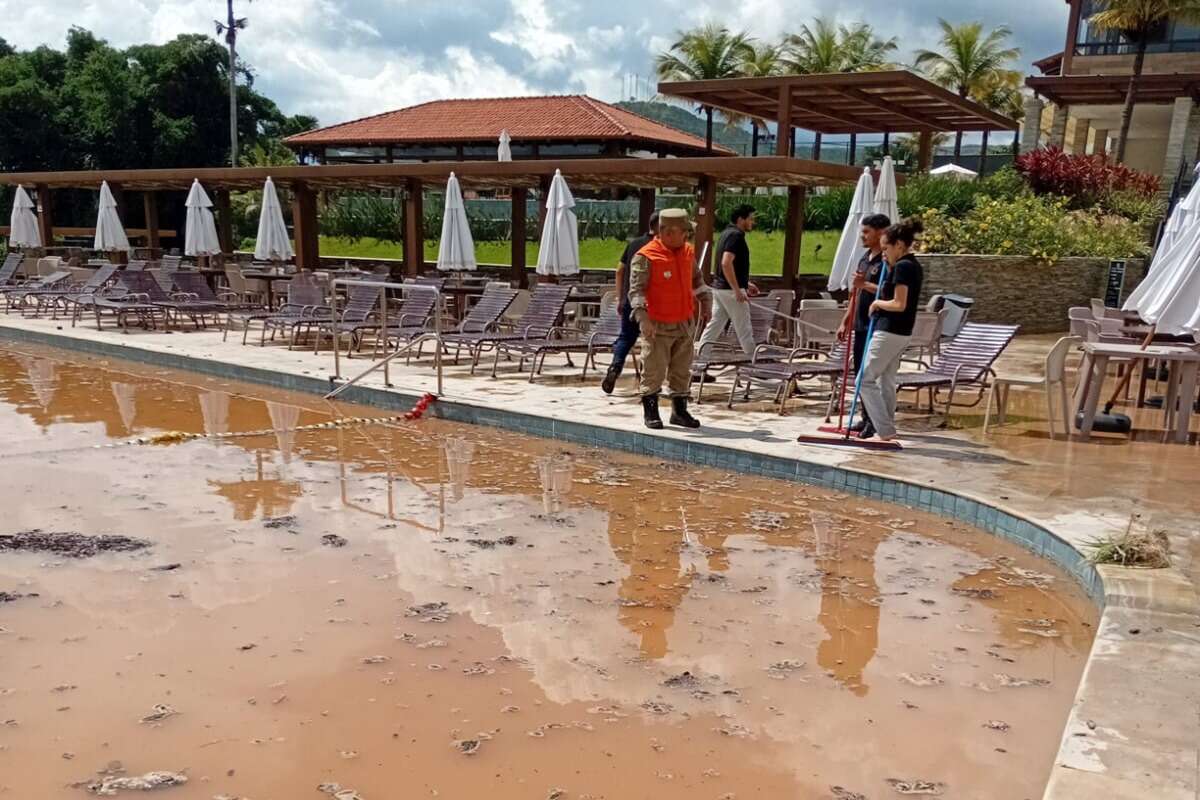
(273, 242)
(850, 250)
(284, 419)
(23, 231)
(214, 409)
(955, 171)
(456, 249)
(126, 397)
(110, 234)
(559, 251)
(887, 199)
(1186, 213)
(1169, 296)
(504, 152)
(200, 235)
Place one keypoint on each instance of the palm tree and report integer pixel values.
(229, 28)
(968, 60)
(1139, 21)
(762, 61)
(711, 52)
(1001, 93)
(826, 47)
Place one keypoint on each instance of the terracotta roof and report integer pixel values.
(565, 118)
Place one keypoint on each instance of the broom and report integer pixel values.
(1106, 421)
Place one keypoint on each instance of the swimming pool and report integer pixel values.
(376, 607)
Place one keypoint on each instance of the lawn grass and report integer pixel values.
(766, 251)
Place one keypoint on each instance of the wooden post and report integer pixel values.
(520, 199)
(150, 206)
(225, 220)
(645, 209)
(983, 154)
(706, 221)
(543, 194)
(304, 227)
(853, 148)
(783, 130)
(414, 234)
(793, 235)
(925, 151)
(887, 143)
(46, 217)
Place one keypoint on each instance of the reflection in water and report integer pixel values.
(284, 419)
(42, 379)
(459, 452)
(214, 408)
(850, 603)
(274, 496)
(555, 473)
(126, 396)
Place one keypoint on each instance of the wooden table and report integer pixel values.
(1181, 389)
(269, 278)
(461, 292)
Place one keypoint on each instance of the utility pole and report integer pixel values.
(229, 28)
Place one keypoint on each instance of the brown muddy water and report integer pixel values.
(437, 610)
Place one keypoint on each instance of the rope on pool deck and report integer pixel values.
(173, 437)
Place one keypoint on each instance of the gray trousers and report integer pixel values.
(726, 309)
(878, 391)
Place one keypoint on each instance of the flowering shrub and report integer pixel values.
(1041, 227)
(1086, 180)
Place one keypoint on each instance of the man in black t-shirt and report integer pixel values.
(630, 330)
(731, 286)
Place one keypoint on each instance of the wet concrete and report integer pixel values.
(529, 621)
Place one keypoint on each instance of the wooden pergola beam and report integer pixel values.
(414, 233)
(150, 208)
(520, 202)
(304, 227)
(46, 217)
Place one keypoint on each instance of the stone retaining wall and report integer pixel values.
(1018, 290)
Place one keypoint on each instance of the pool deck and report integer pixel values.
(1134, 730)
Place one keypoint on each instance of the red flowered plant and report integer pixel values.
(1085, 180)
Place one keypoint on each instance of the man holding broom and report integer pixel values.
(865, 286)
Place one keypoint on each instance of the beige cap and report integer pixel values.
(675, 215)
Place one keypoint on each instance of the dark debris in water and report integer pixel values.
(69, 545)
(488, 544)
(333, 540)
(12, 597)
(280, 522)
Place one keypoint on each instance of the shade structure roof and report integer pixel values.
(861, 102)
(1102, 90)
(548, 119)
(596, 173)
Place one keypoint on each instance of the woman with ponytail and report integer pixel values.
(894, 313)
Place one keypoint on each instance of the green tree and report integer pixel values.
(968, 60)
(1139, 21)
(707, 53)
(826, 47)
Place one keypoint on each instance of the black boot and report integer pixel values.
(680, 415)
(610, 380)
(650, 412)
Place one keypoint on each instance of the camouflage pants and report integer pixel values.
(668, 356)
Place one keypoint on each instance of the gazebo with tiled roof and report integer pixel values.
(558, 127)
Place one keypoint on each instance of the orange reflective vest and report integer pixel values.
(670, 296)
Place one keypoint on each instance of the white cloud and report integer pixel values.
(340, 59)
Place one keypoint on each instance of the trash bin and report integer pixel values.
(958, 308)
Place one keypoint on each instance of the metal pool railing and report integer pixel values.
(404, 289)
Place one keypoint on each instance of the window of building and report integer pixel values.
(1171, 37)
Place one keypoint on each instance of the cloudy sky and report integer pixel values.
(342, 59)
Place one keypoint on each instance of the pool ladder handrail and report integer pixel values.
(403, 288)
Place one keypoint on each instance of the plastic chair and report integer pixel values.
(1055, 375)
(926, 336)
(807, 304)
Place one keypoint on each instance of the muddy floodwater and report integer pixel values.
(424, 609)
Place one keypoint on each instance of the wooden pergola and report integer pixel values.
(1105, 90)
(895, 101)
(704, 175)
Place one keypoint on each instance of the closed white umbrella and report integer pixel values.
(559, 251)
(456, 250)
(23, 231)
(110, 234)
(887, 199)
(504, 152)
(850, 250)
(126, 397)
(1186, 213)
(284, 419)
(214, 408)
(1169, 296)
(200, 237)
(273, 242)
